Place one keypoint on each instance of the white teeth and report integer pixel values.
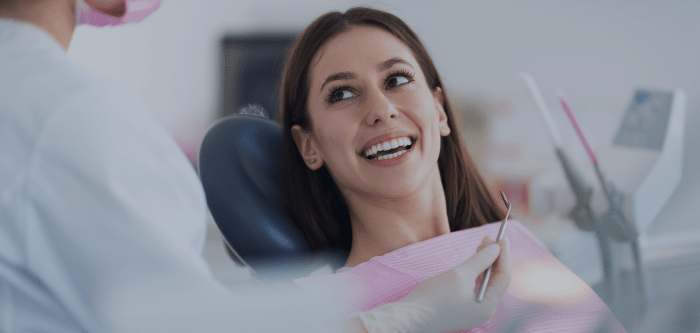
(394, 155)
(387, 145)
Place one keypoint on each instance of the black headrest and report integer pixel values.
(241, 168)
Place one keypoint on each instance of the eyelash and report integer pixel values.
(334, 89)
(400, 72)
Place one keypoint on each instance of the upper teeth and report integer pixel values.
(387, 145)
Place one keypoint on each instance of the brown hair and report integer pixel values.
(317, 206)
(10, 4)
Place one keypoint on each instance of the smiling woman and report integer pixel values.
(376, 167)
(373, 157)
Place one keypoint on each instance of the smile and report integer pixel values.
(389, 149)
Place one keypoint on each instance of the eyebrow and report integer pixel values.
(391, 62)
(338, 76)
(350, 75)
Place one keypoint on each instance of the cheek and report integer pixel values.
(423, 111)
(336, 148)
(336, 138)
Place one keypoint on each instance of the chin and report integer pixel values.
(397, 191)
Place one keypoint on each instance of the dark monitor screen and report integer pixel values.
(252, 68)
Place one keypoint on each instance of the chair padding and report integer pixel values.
(241, 168)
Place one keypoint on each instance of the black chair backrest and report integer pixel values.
(241, 168)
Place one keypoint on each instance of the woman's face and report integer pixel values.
(376, 125)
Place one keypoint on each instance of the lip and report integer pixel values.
(384, 137)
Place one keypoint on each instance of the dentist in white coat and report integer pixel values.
(103, 219)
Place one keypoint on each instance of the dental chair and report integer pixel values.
(241, 168)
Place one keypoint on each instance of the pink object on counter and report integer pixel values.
(543, 296)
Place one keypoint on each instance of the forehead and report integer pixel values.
(355, 50)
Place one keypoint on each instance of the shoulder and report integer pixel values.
(102, 126)
(102, 146)
(96, 128)
(54, 111)
(38, 81)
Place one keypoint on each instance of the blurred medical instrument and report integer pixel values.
(581, 214)
(487, 273)
(647, 149)
(612, 223)
(617, 225)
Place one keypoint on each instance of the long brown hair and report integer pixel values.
(317, 206)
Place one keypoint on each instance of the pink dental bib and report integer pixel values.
(543, 296)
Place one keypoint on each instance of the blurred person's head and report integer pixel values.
(60, 17)
(331, 122)
(115, 8)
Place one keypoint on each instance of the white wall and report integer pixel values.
(596, 51)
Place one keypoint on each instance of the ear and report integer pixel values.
(439, 98)
(307, 147)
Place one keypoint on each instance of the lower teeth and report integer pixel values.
(388, 156)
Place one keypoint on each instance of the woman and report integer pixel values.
(376, 166)
(333, 187)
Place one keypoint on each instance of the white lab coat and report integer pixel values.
(102, 218)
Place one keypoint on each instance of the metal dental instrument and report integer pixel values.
(487, 273)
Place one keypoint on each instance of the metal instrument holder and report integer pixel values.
(610, 227)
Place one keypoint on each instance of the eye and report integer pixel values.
(399, 78)
(339, 94)
(397, 81)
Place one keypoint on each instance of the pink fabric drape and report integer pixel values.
(544, 295)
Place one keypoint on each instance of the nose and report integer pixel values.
(380, 108)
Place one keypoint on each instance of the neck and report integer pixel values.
(53, 16)
(382, 225)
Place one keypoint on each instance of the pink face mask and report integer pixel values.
(136, 11)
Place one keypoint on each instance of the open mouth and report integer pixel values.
(389, 149)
